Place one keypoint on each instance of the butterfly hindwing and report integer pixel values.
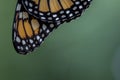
(28, 31)
(35, 19)
(56, 10)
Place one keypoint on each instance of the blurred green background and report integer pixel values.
(87, 48)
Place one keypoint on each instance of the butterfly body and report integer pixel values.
(35, 19)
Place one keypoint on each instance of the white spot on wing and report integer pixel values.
(18, 39)
(18, 7)
(44, 27)
(23, 42)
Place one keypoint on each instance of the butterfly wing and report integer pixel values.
(56, 10)
(28, 31)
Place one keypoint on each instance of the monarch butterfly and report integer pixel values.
(35, 19)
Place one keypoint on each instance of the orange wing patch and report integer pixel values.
(66, 4)
(21, 30)
(35, 25)
(54, 6)
(44, 4)
(28, 28)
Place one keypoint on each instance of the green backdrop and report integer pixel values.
(84, 49)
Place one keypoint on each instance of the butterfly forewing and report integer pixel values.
(56, 10)
(28, 31)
